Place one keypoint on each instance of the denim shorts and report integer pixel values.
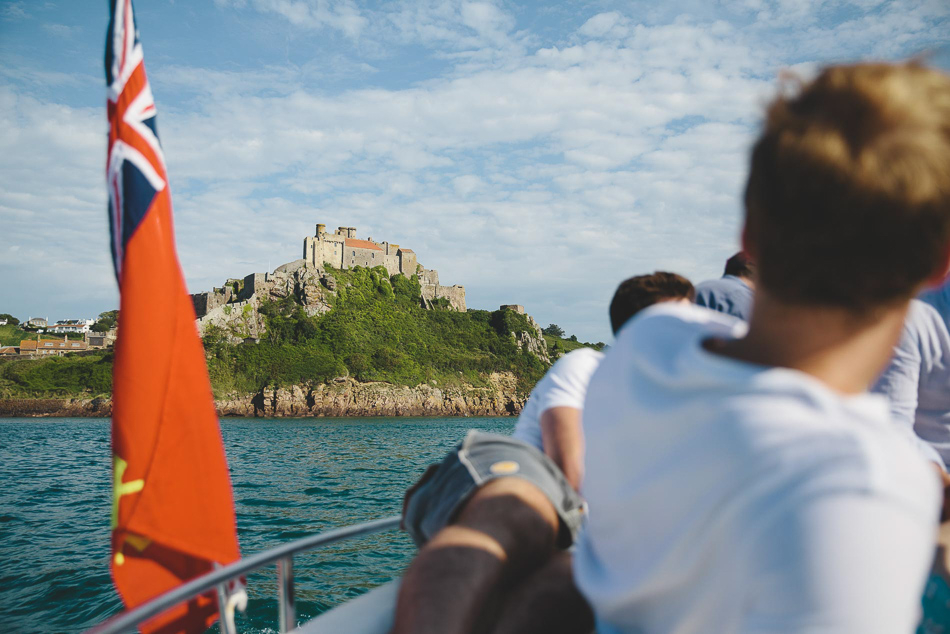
(434, 502)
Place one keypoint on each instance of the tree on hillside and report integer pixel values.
(106, 321)
(573, 337)
(554, 330)
(10, 318)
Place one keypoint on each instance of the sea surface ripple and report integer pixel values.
(291, 478)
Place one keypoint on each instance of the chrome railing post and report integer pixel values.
(226, 624)
(287, 612)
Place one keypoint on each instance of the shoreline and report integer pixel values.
(346, 398)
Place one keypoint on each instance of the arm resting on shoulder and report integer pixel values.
(563, 440)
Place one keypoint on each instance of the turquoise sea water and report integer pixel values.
(291, 478)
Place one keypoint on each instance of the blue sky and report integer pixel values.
(536, 152)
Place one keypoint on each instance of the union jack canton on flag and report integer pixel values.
(136, 167)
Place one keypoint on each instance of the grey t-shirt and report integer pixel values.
(728, 294)
(916, 382)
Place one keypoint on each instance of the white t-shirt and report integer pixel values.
(728, 497)
(917, 380)
(565, 385)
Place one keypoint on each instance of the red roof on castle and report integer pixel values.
(407, 250)
(362, 244)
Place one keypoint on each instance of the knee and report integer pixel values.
(517, 515)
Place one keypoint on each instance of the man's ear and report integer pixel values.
(940, 274)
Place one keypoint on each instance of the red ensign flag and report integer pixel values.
(172, 510)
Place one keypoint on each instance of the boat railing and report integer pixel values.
(218, 579)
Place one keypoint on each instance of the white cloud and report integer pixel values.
(14, 11)
(61, 30)
(340, 15)
(603, 24)
(52, 207)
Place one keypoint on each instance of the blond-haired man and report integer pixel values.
(744, 480)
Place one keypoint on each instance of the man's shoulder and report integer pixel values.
(678, 322)
(922, 317)
(577, 366)
(725, 282)
(821, 443)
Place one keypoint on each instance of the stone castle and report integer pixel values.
(343, 250)
(308, 280)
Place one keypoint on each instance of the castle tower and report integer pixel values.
(321, 229)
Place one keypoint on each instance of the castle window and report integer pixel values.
(374, 255)
(354, 253)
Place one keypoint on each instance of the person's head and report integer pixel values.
(636, 293)
(848, 198)
(741, 265)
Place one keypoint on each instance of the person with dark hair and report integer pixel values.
(743, 478)
(551, 419)
(492, 544)
(733, 292)
(636, 293)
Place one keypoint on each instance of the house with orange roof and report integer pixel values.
(50, 347)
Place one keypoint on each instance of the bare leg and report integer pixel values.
(504, 532)
(547, 602)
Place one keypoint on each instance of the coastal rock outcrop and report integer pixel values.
(61, 407)
(344, 397)
(348, 397)
(533, 342)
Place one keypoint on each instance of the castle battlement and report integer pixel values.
(343, 250)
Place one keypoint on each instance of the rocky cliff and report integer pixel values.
(343, 397)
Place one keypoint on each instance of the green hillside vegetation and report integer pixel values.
(11, 335)
(376, 331)
(87, 375)
(559, 345)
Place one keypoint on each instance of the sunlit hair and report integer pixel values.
(636, 293)
(848, 199)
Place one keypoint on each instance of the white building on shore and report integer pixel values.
(65, 326)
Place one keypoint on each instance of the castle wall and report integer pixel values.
(392, 264)
(254, 283)
(206, 302)
(454, 294)
(325, 248)
(356, 256)
(429, 276)
(331, 250)
(407, 262)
